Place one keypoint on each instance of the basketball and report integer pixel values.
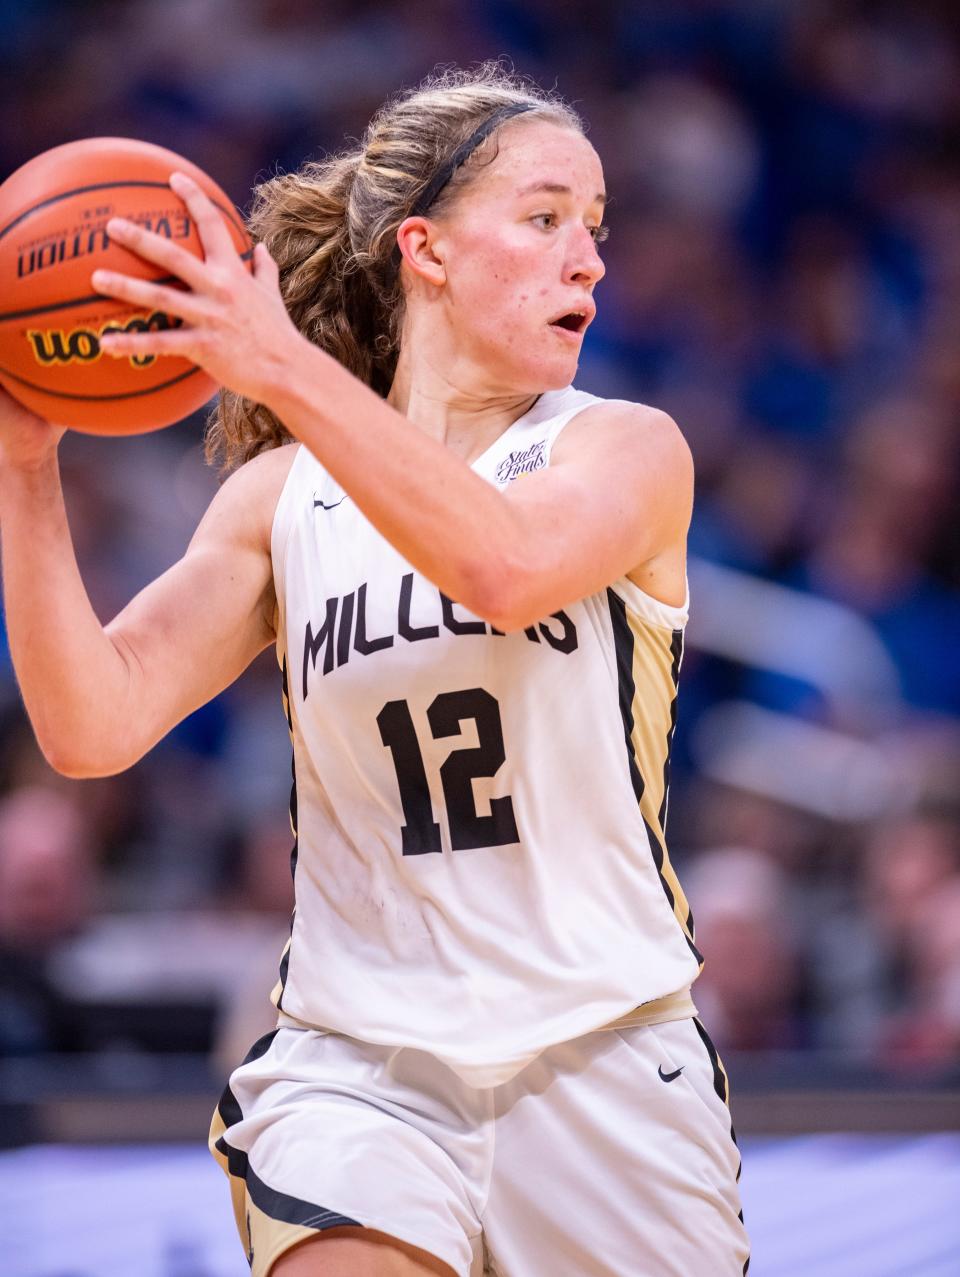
(53, 216)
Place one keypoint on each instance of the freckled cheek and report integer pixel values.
(503, 292)
(517, 314)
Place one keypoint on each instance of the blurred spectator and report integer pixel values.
(47, 883)
(749, 989)
(873, 547)
(925, 1033)
(884, 958)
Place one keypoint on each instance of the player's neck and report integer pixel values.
(462, 408)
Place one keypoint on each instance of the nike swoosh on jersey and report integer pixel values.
(332, 506)
(670, 1077)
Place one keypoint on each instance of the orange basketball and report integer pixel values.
(53, 216)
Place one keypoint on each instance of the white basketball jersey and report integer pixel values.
(480, 867)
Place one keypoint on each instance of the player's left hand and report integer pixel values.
(235, 324)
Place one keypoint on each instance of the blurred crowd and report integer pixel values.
(783, 277)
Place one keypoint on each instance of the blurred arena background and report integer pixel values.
(783, 277)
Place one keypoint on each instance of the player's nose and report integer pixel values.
(584, 264)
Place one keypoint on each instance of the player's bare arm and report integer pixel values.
(195, 629)
(510, 559)
(616, 498)
(99, 697)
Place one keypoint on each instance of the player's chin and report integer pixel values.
(551, 369)
(535, 361)
(559, 373)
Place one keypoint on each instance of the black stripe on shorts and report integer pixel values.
(280, 1206)
(229, 1108)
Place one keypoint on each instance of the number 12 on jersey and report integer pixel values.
(468, 829)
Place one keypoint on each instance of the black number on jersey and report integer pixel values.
(468, 829)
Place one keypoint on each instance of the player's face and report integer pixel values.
(520, 252)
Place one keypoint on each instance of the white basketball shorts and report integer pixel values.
(609, 1156)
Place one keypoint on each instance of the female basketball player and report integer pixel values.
(475, 578)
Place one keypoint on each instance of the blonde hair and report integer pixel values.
(331, 227)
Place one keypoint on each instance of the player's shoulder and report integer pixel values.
(627, 429)
(246, 501)
(262, 476)
(266, 465)
(628, 415)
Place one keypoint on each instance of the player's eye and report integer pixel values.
(599, 233)
(546, 220)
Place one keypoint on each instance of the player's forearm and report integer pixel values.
(445, 520)
(69, 672)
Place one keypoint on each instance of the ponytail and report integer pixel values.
(302, 219)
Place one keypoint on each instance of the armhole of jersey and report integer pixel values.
(649, 609)
(663, 615)
(284, 517)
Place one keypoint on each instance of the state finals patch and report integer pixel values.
(522, 461)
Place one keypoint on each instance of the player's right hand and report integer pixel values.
(26, 440)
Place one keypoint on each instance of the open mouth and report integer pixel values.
(574, 321)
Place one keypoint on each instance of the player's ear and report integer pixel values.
(417, 240)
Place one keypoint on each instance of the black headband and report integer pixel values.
(441, 178)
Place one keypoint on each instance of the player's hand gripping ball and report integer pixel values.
(55, 216)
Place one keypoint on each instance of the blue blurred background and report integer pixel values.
(783, 277)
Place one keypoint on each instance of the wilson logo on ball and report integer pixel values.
(82, 345)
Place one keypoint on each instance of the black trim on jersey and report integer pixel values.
(285, 693)
(676, 651)
(295, 849)
(280, 1206)
(623, 647)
